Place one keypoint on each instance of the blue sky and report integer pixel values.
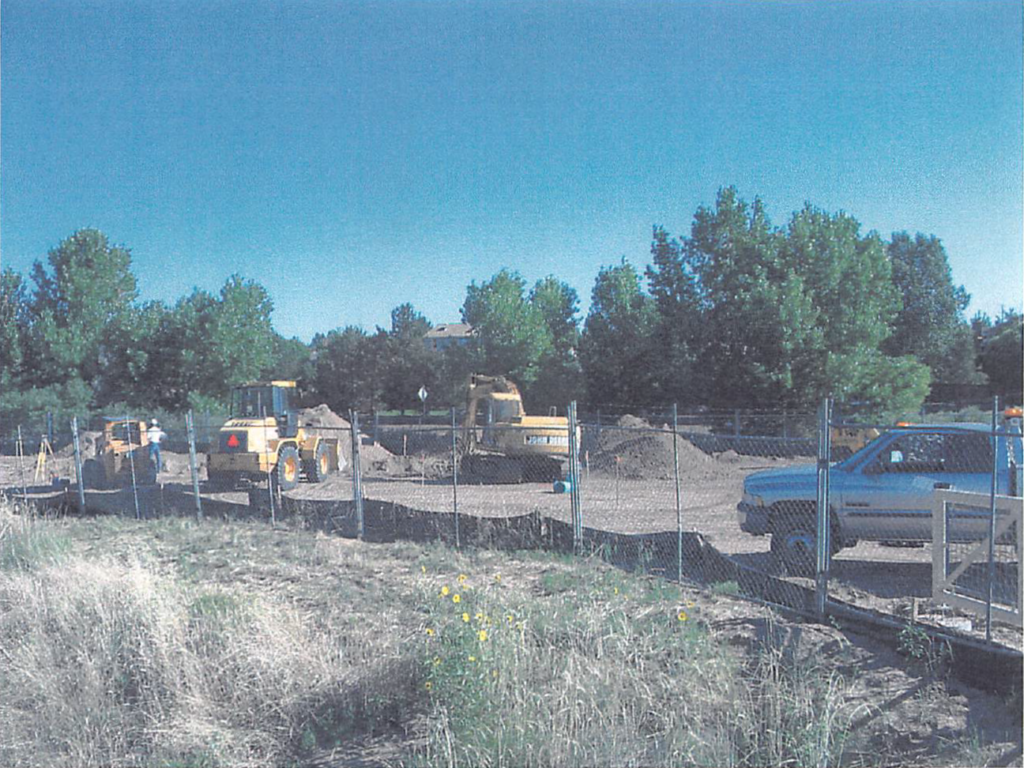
(353, 156)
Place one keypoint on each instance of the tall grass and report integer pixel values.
(28, 539)
(109, 662)
(611, 673)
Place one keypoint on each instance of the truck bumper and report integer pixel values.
(753, 520)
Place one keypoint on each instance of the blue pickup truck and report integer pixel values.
(883, 492)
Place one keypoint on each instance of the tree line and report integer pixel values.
(739, 313)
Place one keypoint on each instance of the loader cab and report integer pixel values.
(274, 398)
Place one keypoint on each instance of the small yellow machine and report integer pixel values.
(122, 443)
(847, 440)
(262, 439)
(509, 446)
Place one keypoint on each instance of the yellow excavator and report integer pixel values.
(501, 444)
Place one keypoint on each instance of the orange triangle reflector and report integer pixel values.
(233, 441)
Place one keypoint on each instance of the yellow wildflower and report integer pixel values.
(510, 619)
(497, 577)
(428, 685)
(423, 568)
(479, 616)
(682, 616)
(456, 599)
(430, 632)
(462, 578)
(482, 634)
(472, 658)
(437, 661)
(445, 590)
(494, 673)
(465, 617)
(616, 590)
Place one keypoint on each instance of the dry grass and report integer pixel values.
(170, 644)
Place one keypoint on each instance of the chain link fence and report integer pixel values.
(912, 522)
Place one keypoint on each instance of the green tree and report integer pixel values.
(349, 363)
(849, 280)
(290, 360)
(759, 334)
(930, 325)
(560, 376)
(617, 349)
(88, 288)
(13, 325)
(674, 291)
(512, 333)
(1002, 352)
(790, 316)
(241, 336)
(408, 364)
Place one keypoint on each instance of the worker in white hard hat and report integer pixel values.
(155, 435)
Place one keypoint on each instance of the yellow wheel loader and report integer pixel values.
(123, 442)
(262, 440)
(501, 444)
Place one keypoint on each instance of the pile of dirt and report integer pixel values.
(86, 444)
(177, 464)
(322, 416)
(638, 451)
(415, 440)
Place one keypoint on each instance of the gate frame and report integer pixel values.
(1013, 507)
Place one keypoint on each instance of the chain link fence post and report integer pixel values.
(20, 451)
(131, 462)
(455, 483)
(357, 475)
(822, 540)
(78, 465)
(992, 520)
(679, 506)
(576, 513)
(193, 464)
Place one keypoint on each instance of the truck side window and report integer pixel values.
(968, 453)
(915, 453)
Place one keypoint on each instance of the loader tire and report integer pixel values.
(320, 466)
(286, 473)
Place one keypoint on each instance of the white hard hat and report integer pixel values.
(155, 422)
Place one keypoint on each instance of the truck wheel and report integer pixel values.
(286, 473)
(318, 469)
(795, 544)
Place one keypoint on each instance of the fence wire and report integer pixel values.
(694, 495)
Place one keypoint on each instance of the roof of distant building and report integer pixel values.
(449, 331)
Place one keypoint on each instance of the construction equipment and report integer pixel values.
(509, 446)
(122, 444)
(848, 439)
(262, 439)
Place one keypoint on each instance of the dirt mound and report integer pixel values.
(86, 444)
(414, 440)
(177, 464)
(637, 451)
(322, 416)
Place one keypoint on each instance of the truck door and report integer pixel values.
(889, 497)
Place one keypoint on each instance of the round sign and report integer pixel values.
(422, 394)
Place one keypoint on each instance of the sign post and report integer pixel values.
(422, 395)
